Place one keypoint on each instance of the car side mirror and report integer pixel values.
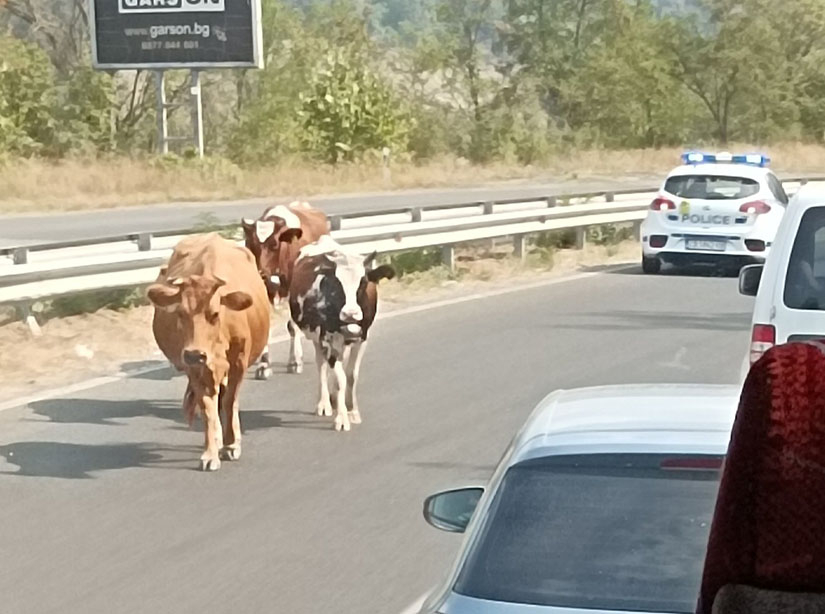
(749, 278)
(452, 510)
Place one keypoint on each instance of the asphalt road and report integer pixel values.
(101, 509)
(19, 230)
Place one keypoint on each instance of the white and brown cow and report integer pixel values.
(333, 298)
(275, 239)
(211, 321)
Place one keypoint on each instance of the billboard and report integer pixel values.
(160, 34)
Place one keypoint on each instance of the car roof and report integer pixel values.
(721, 170)
(666, 418)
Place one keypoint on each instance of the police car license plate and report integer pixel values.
(706, 245)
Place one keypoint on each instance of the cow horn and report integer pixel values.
(369, 259)
(178, 281)
(219, 282)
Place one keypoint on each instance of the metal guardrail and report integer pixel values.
(34, 272)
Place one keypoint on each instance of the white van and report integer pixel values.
(790, 286)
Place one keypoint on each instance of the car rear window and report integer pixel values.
(805, 278)
(597, 532)
(711, 187)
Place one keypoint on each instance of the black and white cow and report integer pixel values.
(333, 298)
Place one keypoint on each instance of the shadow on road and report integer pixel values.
(653, 320)
(76, 461)
(114, 413)
(690, 271)
(96, 411)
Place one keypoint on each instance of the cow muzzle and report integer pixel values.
(194, 358)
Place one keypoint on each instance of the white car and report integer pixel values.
(602, 503)
(718, 209)
(790, 287)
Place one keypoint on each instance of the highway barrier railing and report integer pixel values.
(35, 272)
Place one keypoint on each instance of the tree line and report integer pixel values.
(513, 80)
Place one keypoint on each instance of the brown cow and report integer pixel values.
(334, 300)
(211, 321)
(275, 239)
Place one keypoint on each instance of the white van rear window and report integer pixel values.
(805, 279)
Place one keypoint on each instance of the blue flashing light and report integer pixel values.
(752, 159)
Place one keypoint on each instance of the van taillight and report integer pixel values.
(763, 338)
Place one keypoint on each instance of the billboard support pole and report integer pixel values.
(197, 111)
(163, 118)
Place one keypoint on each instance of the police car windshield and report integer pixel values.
(711, 187)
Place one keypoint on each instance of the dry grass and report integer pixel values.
(36, 185)
(80, 347)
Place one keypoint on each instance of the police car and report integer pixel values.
(718, 209)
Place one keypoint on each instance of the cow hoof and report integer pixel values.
(263, 373)
(323, 410)
(295, 367)
(231, 454)
(342, 424)
(210, 464)
(355, 417)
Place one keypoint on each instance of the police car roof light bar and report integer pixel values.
(698, 157)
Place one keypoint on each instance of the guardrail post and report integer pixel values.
(551, 201)
(488, 207)
(609, 197)
(144, 242)
(520, 247)
(448, 256)
(581, 237)
(335, 222)
(20, 256)
(25, 311)
(637, 230)
(415, 214)
(803, 182)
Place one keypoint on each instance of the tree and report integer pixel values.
(348, 110)
(732, 65)
(26, 98)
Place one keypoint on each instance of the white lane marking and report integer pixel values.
(415, 606)
(678, 360)
(109, 379)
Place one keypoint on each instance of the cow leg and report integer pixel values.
(231, 449)
(190, 403)
(210, 459)
(324, 407)
(296, 350)
(264, 370)
(342, 422)
(353, 356)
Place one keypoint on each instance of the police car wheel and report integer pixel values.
(651, 265)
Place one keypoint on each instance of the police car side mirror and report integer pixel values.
(749, 278)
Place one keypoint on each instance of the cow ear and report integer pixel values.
(291, 234)
(163, 295)
(237, 301)
(385, 271)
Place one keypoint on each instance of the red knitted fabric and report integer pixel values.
(768, 528)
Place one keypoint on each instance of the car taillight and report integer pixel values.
(755, 245)
(758, 207)
(691, 464)
(658, 241)
(662, 204)
(763, 338)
